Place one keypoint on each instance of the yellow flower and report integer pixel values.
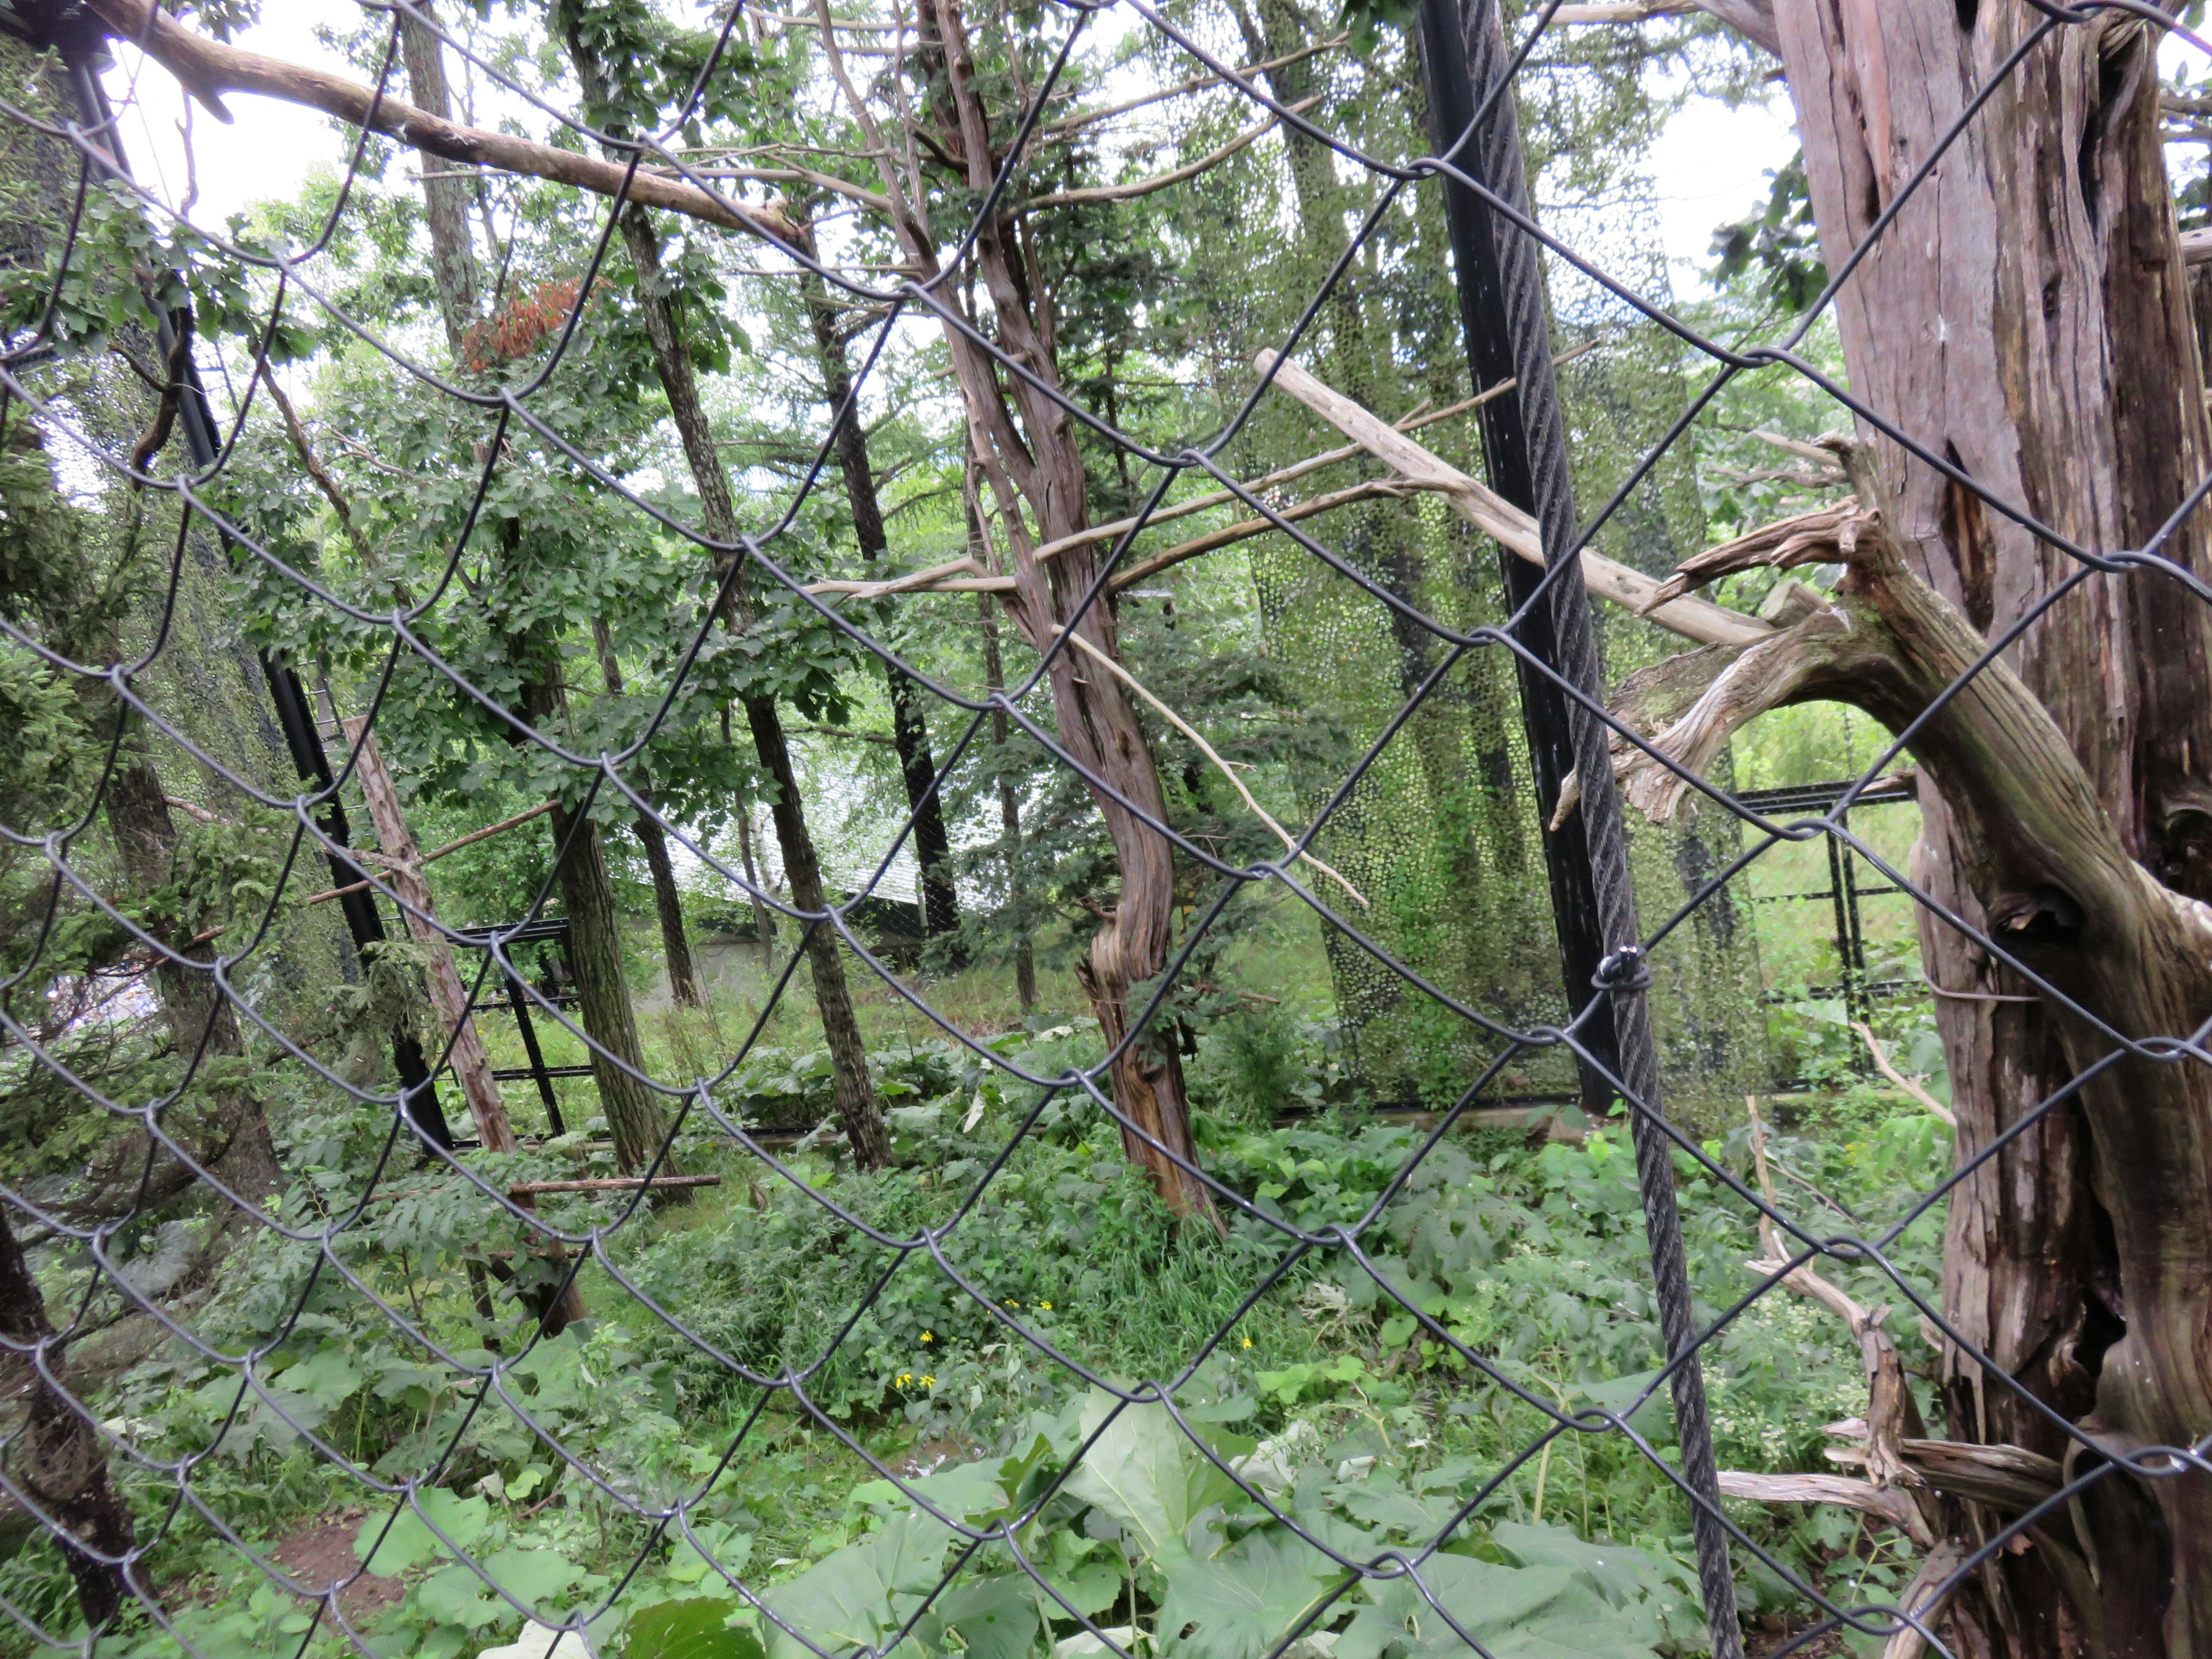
(1047, 1306)
(926, 1337)
(1247, 1341)
(904, 1378)
(928, 1381)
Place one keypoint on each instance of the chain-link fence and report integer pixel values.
(2034, 885)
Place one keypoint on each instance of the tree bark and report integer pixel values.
(595, 957)
(55, 1456)
(2028, 318)
(1034, 466)
(445, 196)
(854, 1093)
(932, 847)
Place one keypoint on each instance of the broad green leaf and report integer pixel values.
(1240, 1603)
(996, 1618)
(532, 1577)
(410, 1543)
(732, 1548)
(693, 1629)
(327, 1376)
(455, 1595)
(857, 1595)
(1144, 1472)
(1517, 1613)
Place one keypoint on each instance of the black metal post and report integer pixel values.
(1503, 310)
(418, 1089)
(520, 1004)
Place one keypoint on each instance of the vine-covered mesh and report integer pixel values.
(1493, 1024)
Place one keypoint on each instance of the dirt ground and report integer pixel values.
(319, 1553)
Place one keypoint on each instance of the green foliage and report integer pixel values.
(1776, 246)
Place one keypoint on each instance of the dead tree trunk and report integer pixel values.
(2028, 318)
(1028, 453)
(448, 995)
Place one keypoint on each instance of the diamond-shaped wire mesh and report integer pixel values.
(967, 1551)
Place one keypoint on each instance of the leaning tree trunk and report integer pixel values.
(2026, 318)
(1034, 467)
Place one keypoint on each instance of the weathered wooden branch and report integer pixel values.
(1891, 1414)
(1928, 1104)
(1890, 1505)
(611, 1184)
(385, 861)
(1929, 1592)
(1507, 524)
(207, 69)
(945, 579)
(1752, 19)
(2010, 1478)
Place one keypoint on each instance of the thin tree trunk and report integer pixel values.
(667, 902)
(471, 1065)
(932, 847)
(445, 192)
(855, 1095)
(595, 957)
(2028, 318)
(595, 950)
(1009, 808)
(55, 1455)
(1035, 463)
(764, 917)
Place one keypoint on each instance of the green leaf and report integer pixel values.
(410, 1543)
(693, 1629)
(532, 1577)
(1517, 1613)
(455, 1595)
(1239, 1604)
(1144, 1472)
(995, 1617)
(855, 1596)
